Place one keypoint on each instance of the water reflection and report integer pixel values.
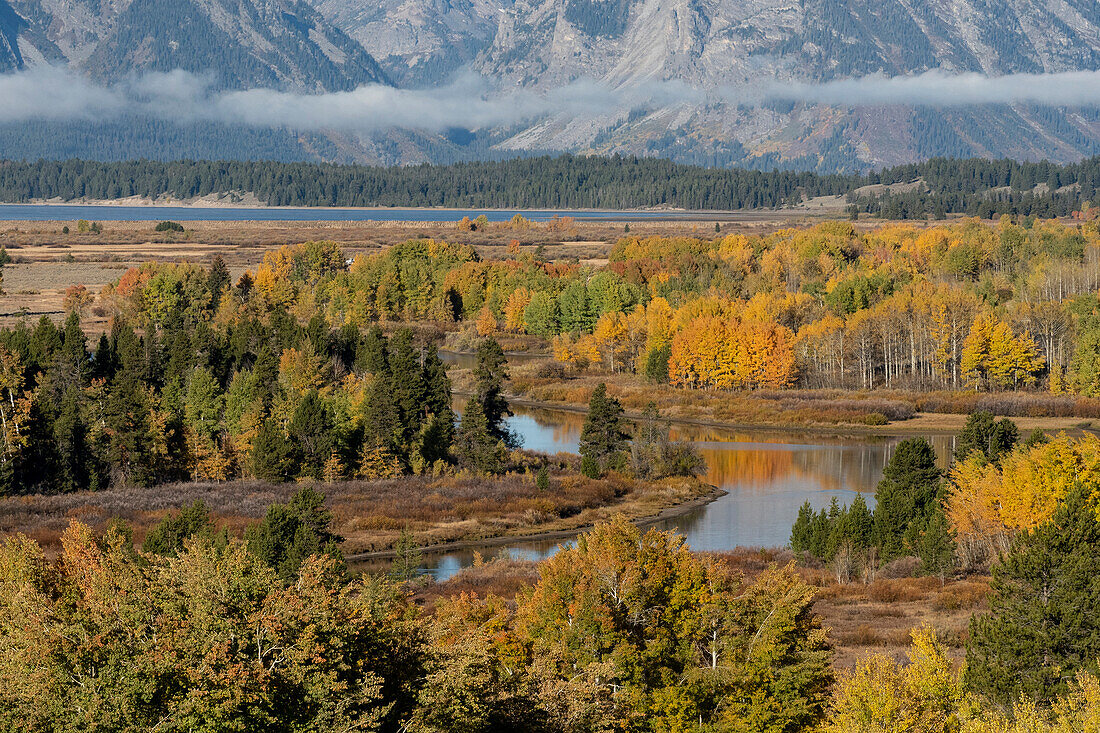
(768, 475)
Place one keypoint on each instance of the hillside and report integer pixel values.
(239, 43)
(704, 82)
(543, 44)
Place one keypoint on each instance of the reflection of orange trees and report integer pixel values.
(776, 468)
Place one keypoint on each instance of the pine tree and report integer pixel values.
(935, 545)
(802, 531)
(292, 532)
(168, 536)
(490, 373)
(1042, 626)
(437, 401)
(407, 384)
(76, 462)
(372, 354)
(407, 558)
(381, 419)
(603, 441)
(992, 438)
(217, 280)
(475, 447)
(310, 433)
(272, 454)
(907, 492)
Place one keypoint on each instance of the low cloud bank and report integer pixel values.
(473, 102)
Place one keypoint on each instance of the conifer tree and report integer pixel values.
(407, 384)
(272, 454)
(372, 353)
(475, 447)
(291, 532)
(992, 438)
(407, 558)
(168, 536)
(1042, 626)
(437, 397)
(490, 374)
(310, 433)
(603, 441)
(908, 492)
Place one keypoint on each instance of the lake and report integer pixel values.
(768, 475)
(73, 212)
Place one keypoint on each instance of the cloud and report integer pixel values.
(474, 102)
(939, 88)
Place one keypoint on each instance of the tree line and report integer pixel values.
(964, 306)
(968, 186)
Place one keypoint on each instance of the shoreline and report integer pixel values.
(672, 512)
(948, 423)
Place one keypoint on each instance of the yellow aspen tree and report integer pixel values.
(518, 301)
(780, 368)
(882, 696)
(486, 322)
(610, 339)
(636, 336)
(974, 361)
(658, 316)
(973, 511)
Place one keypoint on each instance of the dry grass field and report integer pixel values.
(46, 261)
(371, 515)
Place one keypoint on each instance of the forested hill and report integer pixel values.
(936, 187)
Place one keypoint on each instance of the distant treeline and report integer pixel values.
(976, 186)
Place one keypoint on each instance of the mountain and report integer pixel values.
(241, 43)
(538, 46)
(543, 44)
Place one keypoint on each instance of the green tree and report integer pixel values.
(475, 447)
(576, 310)
(603, 441)
(167, 538)
(541, 316)
(992, 438)
(656, 363)
(490, 373)
(407, 558)
(935, 545)
(292, 532)
(311, 435)
(272, 454)
(205, 403)
(907, 493)
(1042, 625)
(407, 384)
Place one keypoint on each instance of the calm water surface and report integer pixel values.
(768, 475)
(65, 212)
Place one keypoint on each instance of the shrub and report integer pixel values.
(169, 226)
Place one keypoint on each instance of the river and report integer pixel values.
(767, 476)
(100, 212)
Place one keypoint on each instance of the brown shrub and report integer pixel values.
(863, 635)
(962, 596)
(901, 590)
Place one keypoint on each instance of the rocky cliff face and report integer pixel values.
(543, 44)
(241, 43)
